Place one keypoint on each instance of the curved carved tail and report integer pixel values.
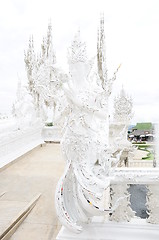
(75, 203)
(67, 207)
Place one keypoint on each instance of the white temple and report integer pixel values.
(92, 197)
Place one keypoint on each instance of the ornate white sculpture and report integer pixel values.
(85, 140)
(152, 203)
(118, 129)
(123, 213)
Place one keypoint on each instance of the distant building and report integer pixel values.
(142, 132)
(3, 116)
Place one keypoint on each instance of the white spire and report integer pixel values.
(47, 46)
(101, 53)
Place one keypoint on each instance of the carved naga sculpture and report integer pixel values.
(80, 189)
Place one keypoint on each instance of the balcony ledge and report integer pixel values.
(137, 229)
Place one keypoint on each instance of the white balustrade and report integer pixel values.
(119, 190)
(122, 223)
(123, 213)
(17, 143)
(140, 163)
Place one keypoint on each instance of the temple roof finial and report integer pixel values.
(77, 51)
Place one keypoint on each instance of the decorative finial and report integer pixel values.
(77, 51)
(123, 107)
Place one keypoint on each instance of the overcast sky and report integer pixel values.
(132, 39)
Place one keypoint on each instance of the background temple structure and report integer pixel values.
(118, 132)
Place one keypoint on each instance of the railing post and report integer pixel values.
(153, 203)
(123, 212)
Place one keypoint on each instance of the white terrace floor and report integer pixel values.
(34, 173)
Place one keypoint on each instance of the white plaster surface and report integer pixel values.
(17, 143)
(113, 231)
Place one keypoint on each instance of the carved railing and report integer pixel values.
(120, 187)
(121, 222)
(140, 163)
(18, 142)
